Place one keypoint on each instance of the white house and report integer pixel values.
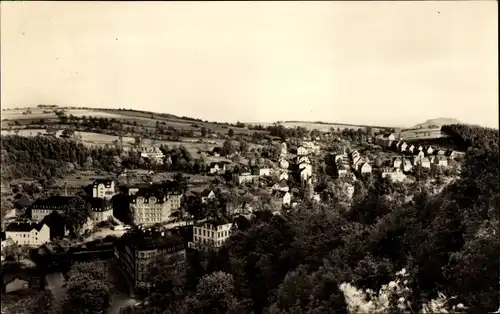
(210, 235)
(441, 161)
(102, 210)
(349, 189)
(366, 168)
(357, 164)
(244, 178)
(420, 155)
(283, 176)
(388, 139)
(429, 150)
(286, 197)
(284, 147)
(411, 148)
(207, 195)
(425, 162)
(303, 159)
(301, 151)
(403, 147)
(264, 172)
(103, 188)
(284, 164)
(397, 162)
(217, 167)
(396, 176)
(28, 233)
(407, 166)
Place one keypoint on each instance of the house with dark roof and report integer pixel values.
(218, 167)
(43, 207)
(210, 235)
(206, 195)
(102, 210)
(136, 250)
(28, 233)
(103, 188)
(17, 277)
(284, 196)
(453, 154)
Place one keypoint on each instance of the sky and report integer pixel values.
(377, 63)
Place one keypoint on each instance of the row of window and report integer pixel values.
(207, 241)
(206, 233)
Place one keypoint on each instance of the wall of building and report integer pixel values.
(32, 238)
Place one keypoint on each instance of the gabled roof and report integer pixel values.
(206, 192)
(23, 227)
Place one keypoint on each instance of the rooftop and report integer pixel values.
(23, 226)
(150, 239)
(98, 203)
(103, 181)
(56, 200)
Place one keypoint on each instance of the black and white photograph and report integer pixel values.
(260, 157)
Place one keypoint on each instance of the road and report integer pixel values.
(55, 283)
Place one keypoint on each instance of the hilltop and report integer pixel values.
(436, 123)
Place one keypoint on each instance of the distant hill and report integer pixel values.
(436, 123)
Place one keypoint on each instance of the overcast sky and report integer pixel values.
(379, 63)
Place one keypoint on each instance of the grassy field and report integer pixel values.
(324, 127)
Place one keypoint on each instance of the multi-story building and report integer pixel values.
(103, 188)
(101, 209)
(210, 235)
(28, 233)
(139, 249)
(150, 206)
(44, 207)
(166, 196)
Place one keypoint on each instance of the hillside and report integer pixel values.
(436, 123)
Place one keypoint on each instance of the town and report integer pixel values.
(225, 157)
(134, 217)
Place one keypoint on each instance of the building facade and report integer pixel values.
(101, 209)
(103, 189)
(44, 207)
(28, 233)
(210, 235)
(137, 250)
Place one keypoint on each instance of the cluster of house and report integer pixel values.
(281, 188)
(153, 153)
(37, 231)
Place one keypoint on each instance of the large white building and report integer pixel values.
(28, 233)
(150, 206)
(210, 235)
(103, 188)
